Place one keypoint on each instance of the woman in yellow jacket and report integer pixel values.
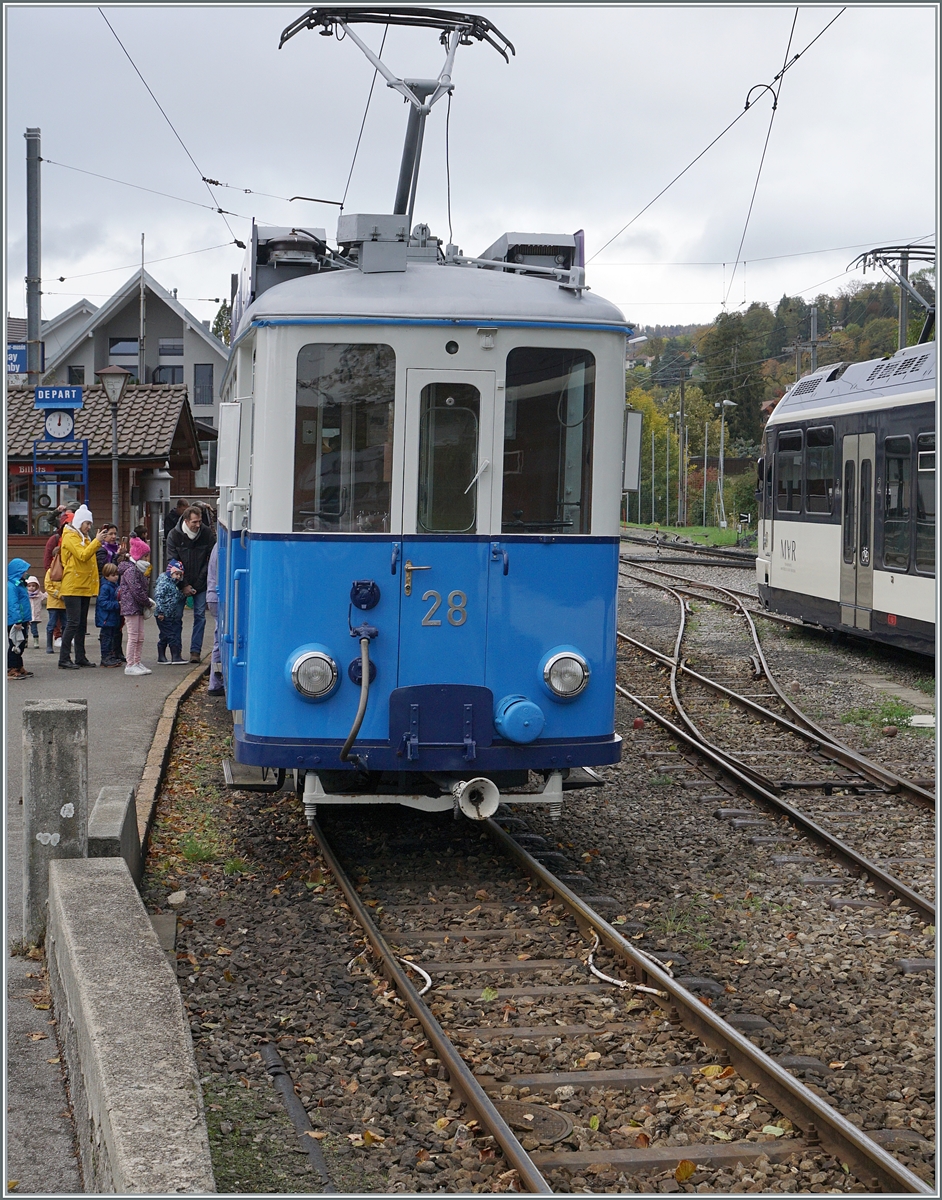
(79, 584)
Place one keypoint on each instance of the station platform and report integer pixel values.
(123, 712)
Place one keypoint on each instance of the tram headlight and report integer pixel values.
(314, 674)
(566, 674)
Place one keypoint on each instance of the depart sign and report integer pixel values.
(58, 397)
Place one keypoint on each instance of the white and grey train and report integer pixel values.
(847, 508)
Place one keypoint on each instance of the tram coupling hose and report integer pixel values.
(365, 633)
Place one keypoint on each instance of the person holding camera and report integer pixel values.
(77, 551)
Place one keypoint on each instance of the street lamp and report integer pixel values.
(114, 380)
(723, 407)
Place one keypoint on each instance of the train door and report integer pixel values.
(857, 530)
(448, 495)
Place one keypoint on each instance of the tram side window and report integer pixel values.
(819, 478)
(788, 472)
(548, 429)
(925, 503)
(343, 438)
(897, 505)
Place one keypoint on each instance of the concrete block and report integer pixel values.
(134, 1083)
(112, 829)
(55, 798)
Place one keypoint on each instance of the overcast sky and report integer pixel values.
(601, 107)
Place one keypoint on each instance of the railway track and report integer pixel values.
(743, 737)
(557, 1032)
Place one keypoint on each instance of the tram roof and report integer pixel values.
(432, 292)
(901, 378)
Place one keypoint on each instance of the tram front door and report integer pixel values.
(857, 530)
(448, 485)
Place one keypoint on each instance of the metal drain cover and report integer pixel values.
(544, 1123)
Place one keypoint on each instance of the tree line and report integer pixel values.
(749, 358)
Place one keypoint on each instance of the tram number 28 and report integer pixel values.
(457, 610)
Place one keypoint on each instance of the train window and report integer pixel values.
(819, 468)
(850, 541)
(925, 503)
(343, 438)
(448, 456)
(788, 471)
(897, 506)
(548, 429)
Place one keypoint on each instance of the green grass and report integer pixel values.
(234, 866)
(925, 685)
(196, 851)
(707, 535)
(888, 712)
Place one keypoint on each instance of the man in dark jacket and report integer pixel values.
(192, 543)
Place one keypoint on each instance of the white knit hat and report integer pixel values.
(82, 514)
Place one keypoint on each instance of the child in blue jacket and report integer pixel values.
(169, 599)
(108, 617)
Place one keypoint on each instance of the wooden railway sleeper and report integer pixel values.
(838, 1136)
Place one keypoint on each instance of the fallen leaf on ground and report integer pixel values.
(685, 1168)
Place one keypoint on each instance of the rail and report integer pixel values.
(819, 1124)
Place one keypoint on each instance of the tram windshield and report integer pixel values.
(548, 422)
(343, 438)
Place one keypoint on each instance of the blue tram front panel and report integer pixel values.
(465, 624)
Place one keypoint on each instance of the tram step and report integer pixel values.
(251, 779)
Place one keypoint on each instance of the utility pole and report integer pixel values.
(33, 256)
(667, 480)
(682, 482)
(140, 339)
(903, 300)
(706, 447)
(652, 476)
(814, 338)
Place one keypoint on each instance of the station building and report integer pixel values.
(166, 422)
(156, 432)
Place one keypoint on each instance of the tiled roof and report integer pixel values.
(16, 329)
(154, 421)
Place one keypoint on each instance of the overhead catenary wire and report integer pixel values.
(133, 266)
(141, 188)
(720, 135)
(366, 110)
(173, 129)
(765, 147)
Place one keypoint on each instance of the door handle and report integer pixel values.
(409, 568)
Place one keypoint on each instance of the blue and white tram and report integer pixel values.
(422, 470)
(847, 516)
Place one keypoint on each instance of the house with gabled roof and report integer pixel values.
(178, 347)
(61, 330)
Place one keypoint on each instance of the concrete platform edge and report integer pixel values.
(135, 1088)
(149, 788)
